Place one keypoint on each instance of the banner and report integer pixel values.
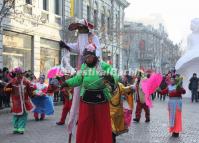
(72, 8)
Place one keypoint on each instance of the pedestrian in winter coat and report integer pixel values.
(193, 86)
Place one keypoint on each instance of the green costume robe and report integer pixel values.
(91, 78)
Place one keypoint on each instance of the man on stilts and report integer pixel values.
(83, 27)
(94, 123)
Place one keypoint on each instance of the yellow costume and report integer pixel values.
(116, 108)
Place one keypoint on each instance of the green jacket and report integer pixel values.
(89, 78)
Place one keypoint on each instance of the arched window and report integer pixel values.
(103, 12)
(88, 10)
(108, 21)
(95, 15)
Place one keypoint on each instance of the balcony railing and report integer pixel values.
(144, 56)
(44, 17)
(58, 20)
(27, 9)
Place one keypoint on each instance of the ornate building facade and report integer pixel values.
(108, 19)
(30, 35)
(148, 48)
(31, 31)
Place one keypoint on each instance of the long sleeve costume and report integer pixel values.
(20, 102)
(67, 94)
(42, 101)
(140, 99)
(94, 113)
(117, 110)
(79, 47)
(174, 107)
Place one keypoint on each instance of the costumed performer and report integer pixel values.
(175, 91)
(119, 121)
(41, 100)
(20, 92)
(94, 123)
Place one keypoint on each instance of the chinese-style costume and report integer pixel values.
(94, 122)
(83, 27)
(120, 118)
(67, 94)
(43, 102)
(174, 107)
(20, 90)
(141, 104)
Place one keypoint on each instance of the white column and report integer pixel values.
(36, 55)
(1, 49)
(120, 59)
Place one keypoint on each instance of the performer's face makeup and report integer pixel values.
(173, 81)
(19, 76)
(41, 80)
(66, 76)
(89, 59)
(83, 29)
(90, 39)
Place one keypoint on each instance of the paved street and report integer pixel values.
(154, 132)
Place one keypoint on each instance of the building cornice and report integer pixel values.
(124, 3)
(31, 33)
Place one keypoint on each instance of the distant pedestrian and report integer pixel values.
(198, 89)
(163, 85)
(193, 86)
(6, 78)
(2, 94)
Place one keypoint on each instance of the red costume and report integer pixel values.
(66, 106)
(174, 108)
(20, 96)
(140, 98)
(20, 90)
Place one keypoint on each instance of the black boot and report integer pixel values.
(175, 135)
(113, 138)
(136, 120)
(147, 120)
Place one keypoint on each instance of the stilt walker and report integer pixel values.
(83, 27)
(94, 123)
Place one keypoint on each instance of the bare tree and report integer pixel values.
(5, 8)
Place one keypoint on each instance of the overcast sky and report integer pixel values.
(176, 15)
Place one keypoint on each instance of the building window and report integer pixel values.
(95, 18)
(88, 13)
(28, 1)
(17, 50)
(73, 60)
(102, 19)
(78, 8)
(50, 55)
(108, 25)
(117, 61)
(117, 23)
(45, 5)
(57, 7)
(142, 44)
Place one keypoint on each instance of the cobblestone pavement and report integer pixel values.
(157, 130)
(153, 132)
